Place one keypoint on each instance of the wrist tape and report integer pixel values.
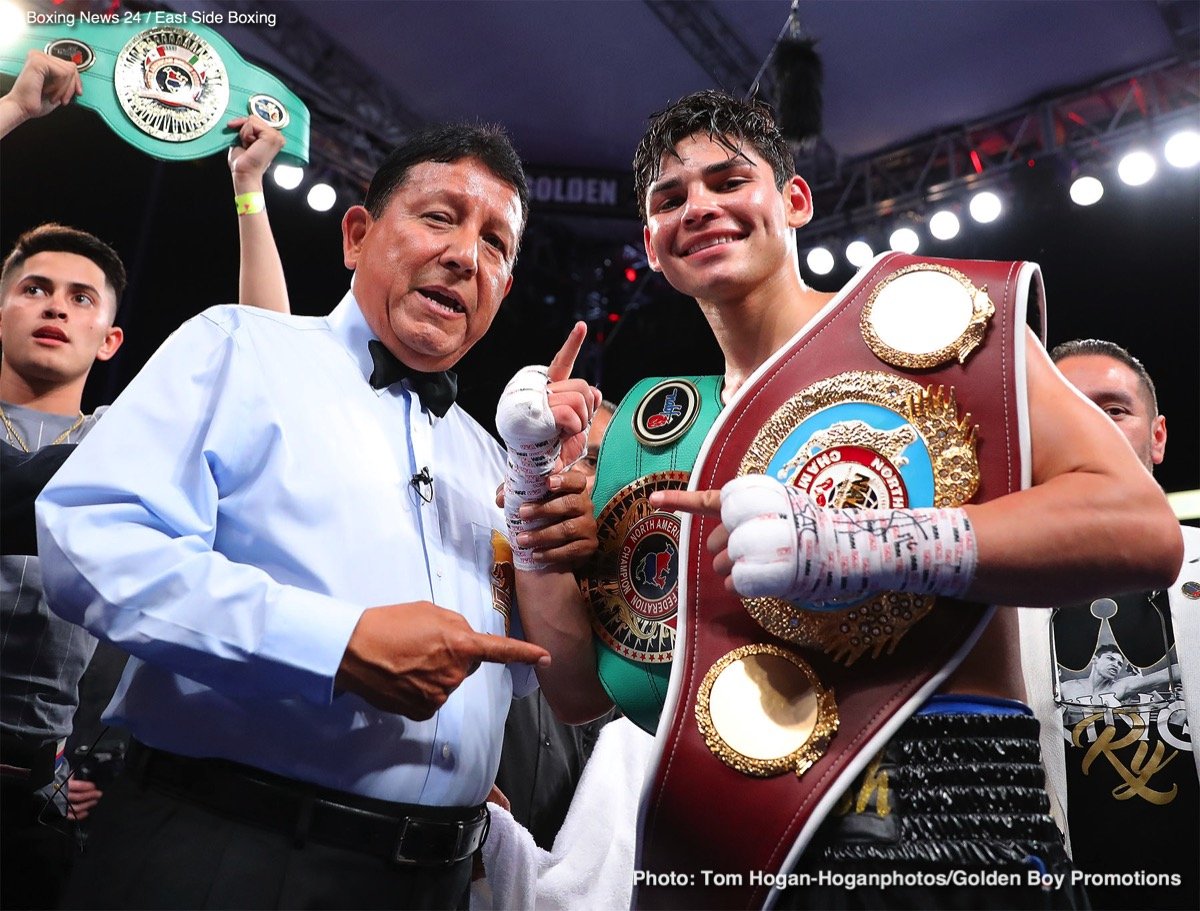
(784, 545)
(526, 424)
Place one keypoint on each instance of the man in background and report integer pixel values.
(1113, 695)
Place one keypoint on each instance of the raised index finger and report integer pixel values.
(697, 502)
(503, 650)
(564, 361)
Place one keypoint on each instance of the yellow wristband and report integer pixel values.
(250, 203)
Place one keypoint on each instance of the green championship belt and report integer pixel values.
(632, 586)
(165, 87)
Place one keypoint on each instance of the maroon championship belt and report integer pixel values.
(773, 708)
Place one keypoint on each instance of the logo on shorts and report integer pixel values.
(72, 50)
(666, 412)
(171, 84)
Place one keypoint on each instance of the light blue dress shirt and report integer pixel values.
(241, 504)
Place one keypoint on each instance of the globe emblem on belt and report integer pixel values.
(648, 567)
(863, 440)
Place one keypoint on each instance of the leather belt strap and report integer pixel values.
(701, 814)
(403, 834)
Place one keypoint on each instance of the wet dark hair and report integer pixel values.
(1082, 347)
(446, 143)
(1106, 648)
(56, 238)
(723, 119)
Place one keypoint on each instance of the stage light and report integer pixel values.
(944, 225)
(1086, 190)
(287, 176)
(322, 197)
(630, 274)
(12, 23)
(985, 207)
(1137, 168)
(904, 240)
(820, 261)
(1183, 149)
(859, 253)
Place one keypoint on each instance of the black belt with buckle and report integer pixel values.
(400, 833)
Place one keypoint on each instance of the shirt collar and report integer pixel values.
(349, 326)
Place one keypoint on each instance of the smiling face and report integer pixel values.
(55, 321)
(431, 271)
(1118, 392)
(717, 226)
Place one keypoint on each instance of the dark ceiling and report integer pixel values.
(573, 82)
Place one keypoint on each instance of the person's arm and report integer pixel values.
(44, 84)
(543, 417)
(1094, 523)
(1139, 683)
(261, 282)
(553, 611)
(127, 531)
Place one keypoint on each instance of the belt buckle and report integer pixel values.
(413, 826)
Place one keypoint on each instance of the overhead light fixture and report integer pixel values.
(287, 176)
(944, 225)
(859, 253)
(985, 207)
(820, 260)
(1183, 149)
(904, 240)
(322, 197)
(1086, 190)
(12, 23)
(1137, 168)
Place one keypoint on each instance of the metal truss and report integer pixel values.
(712, 42)
(356, 118)
(1081, 127)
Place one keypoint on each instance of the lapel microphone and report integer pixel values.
(422, 483)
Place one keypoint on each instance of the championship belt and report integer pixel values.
(774, 708)
(632, 584)
(166, 87)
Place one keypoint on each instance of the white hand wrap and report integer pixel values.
(526, 424)
(784, 545)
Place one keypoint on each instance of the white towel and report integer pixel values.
(591, 864)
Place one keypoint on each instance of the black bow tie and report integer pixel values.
(437, 390)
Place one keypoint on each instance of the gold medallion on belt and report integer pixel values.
(858, 440)
(632, 584)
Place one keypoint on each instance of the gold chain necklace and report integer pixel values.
(16, 436)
